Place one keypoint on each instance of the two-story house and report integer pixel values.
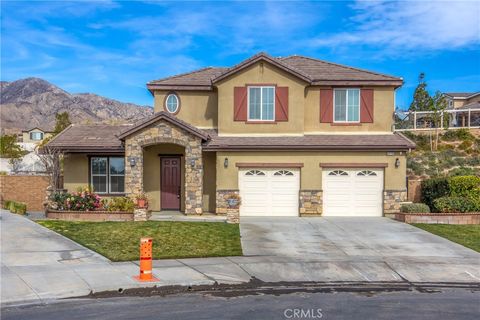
(36, 135)
(292, 136)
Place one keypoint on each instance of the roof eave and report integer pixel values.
(394, 83)
(170, 87)
(308, 148)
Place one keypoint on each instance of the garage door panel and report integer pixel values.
(352, 192)
(275, 193)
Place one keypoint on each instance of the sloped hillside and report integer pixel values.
(458, 153)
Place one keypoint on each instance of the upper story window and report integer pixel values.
(172, 103)
(261, 103)
(346, 105)
(107, 174)
(36, 135)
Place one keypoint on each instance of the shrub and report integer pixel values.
(82, 200)
(120, 204)
(465, 145)
(11, 206)
(460, 134)
(20, 208)
(457, 204)
(433, 189)
(415, 208)
(6, 204)
(464, 186)
(463, 171)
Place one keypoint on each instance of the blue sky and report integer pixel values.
(113, 48)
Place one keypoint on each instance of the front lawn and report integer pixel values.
(466, 235)
(119, 241)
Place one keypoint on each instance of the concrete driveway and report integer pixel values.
(346, 248)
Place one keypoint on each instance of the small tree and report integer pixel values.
(62, 120)
(421, 98)
(50, 158)
(9, 147)
(438, 106)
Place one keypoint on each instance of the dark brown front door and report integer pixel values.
(170, 183)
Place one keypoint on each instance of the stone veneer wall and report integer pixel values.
(392, 200)
(311, 202)
(442, 218)
(221, 200)
(164, 132)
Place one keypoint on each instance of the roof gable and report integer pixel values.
(266, 58)
(167, 117)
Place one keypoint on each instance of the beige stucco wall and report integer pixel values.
(75, 171)
(311, 173)
(261, 73)
(26, 136)
(383, 102)
(198, 108)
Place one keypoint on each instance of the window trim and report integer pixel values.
(261, 109)
(108, 192)
(36, 132)
(346, 108)
(178, 103)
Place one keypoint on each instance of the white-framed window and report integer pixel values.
(346, 104)
(36, 136)
(366, 173)
(107, 174)
(172, 103)
(255, 173)
(338, 173)
(261, 103)
(283, 173)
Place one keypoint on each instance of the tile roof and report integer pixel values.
(461, 94)
(472, 105)
(314, 71)
(162, 115)
(391, 141)
(94, 138)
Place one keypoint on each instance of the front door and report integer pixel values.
(170, 184)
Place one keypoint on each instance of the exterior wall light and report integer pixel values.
(225, 163)
(132, 161)
(192, 163)
(397, 163)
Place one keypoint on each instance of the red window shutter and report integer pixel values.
(240, 104)
(281, 104)
(366, 105)
(326, 105)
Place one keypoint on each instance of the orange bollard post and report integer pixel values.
(146, 261)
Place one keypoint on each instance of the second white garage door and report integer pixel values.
(269, 192)
(348, 192)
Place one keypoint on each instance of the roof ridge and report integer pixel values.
(342, 65)
(263, 55)
(185, 74)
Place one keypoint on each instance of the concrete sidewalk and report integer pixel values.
(39, 265)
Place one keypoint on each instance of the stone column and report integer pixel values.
(133, 174)
(193, 178)
(233, 215)
(221, 200)
(392, 200)
(311, 202)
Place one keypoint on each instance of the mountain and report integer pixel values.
(31, 102)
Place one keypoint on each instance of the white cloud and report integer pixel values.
(397, 27)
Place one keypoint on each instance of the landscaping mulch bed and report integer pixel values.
(119, 241)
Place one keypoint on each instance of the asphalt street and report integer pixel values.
(411, 304)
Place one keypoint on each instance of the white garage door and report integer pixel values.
(269, 192)
(348, 192)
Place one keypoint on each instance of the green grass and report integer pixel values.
(119, 241)
(466, 235)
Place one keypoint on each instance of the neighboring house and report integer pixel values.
(467, 105)
(35, 135)
(293, 136)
